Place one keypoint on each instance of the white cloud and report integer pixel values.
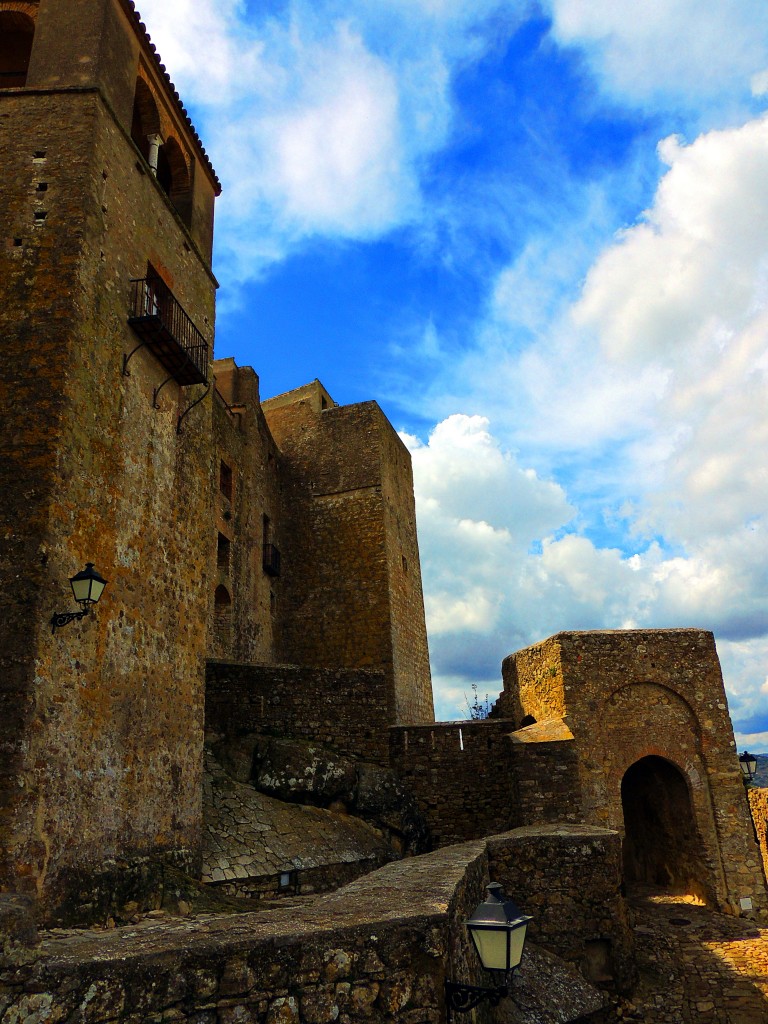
(317, 120)
(675, 51)
(657, 377)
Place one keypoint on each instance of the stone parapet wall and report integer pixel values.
(378, 950)
(472, 778)
(318, 704)
(568, 878)
(461, 776)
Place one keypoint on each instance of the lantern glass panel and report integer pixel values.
(500, 948)
(81, 588)
(88, 585)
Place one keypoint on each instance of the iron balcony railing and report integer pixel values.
(271, 560)
(162, 324)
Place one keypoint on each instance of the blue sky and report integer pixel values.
(537, 235)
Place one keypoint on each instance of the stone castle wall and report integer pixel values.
(321, 705)
(473, 778)
(247, 488)
(379, 949)
(758, 804)
(460, 774)
(103, 721)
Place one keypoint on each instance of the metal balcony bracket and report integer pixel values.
(190, 408)
(156, 392)
(128, 358)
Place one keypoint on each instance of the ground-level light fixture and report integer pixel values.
(748, 765)
(498, 931)
(87, 586)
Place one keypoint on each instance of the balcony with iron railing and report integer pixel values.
(165, 328)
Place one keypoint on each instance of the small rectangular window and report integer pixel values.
(225, 480)
(223, 547)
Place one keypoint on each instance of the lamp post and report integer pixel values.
(748, 765)
(87, 587)
(498, 931)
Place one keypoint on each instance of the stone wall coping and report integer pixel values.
(416, 889)
(548, 730)
(286, 667)
(598, 634)
(469, 723)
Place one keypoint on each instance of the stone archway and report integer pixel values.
(662, 845)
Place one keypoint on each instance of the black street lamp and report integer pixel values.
(87, 586)
(498, 931)
(748, 765)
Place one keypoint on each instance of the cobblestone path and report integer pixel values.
(697, 966)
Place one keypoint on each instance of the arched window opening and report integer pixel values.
(527, 720)
(146, 118)
(222, 618)
(17, 32)
(662, 845)
(173, 176)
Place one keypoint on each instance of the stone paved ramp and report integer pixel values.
(697, 966)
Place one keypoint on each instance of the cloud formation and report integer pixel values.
(318, 120)
(656, 379)
(676, 52)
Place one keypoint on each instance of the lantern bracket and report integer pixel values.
(461, 998)
(59, 619)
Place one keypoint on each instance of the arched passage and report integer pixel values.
(17, 32)
(662, 845)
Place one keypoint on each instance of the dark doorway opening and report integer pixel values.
(662, 846)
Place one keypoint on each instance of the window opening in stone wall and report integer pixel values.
(173, 176)
(145, 122)
(225, 480)
(270, 555)
(222, 617)
(223, 547)
(527, 720)
(662, 845)
(17, 33)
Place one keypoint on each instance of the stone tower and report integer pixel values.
(354, 597)
(107, 325)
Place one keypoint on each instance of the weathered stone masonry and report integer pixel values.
(379, 949)
(219, 531)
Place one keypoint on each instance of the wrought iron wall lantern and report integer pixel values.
(498, 931)
(748, 765)
(87, 586)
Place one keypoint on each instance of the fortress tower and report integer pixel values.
(279, 537)
(107, 325)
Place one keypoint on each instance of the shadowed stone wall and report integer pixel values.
(101, 725)
(378, 950)
(318, 704)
